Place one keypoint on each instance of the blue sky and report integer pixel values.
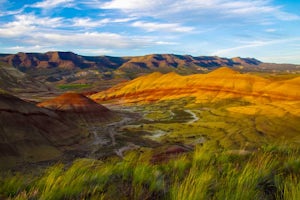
(268, 30)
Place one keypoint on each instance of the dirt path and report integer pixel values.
(112, 128)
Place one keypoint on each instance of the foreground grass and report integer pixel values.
(272, 172)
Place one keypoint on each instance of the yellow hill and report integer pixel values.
(222, 83)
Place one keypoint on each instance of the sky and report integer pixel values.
(268, 30)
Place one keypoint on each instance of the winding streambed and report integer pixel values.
(194, 116)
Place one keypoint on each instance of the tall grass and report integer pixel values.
(206, 173)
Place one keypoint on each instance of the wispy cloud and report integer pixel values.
(12, 12)
(48, 4)
(228, 51)
(197, 8)
(91, 23)
(253, 44)
(164, 27)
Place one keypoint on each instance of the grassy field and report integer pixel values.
(229, 130)
(272, 172)
(229, 156)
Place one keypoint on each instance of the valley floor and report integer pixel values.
(176, 149)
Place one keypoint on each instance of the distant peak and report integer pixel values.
(223, 71)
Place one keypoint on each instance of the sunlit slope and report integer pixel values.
(223, 83)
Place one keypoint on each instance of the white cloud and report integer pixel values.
(41, 33)
(90, 43)
(131, 4)
(87, 22)
(25, 24)
(95, 51)
(47, 4)
(89, 40)
(35, 48)
(165, 27)
(166, 43)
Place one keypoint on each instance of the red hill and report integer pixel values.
(78, 104)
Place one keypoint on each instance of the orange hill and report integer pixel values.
(222, 83)
(73, 102)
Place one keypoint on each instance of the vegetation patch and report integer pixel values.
(73, 86)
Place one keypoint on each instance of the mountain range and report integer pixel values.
(67, 67)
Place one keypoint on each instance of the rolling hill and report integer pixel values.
(223, 83)
(31, 134)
